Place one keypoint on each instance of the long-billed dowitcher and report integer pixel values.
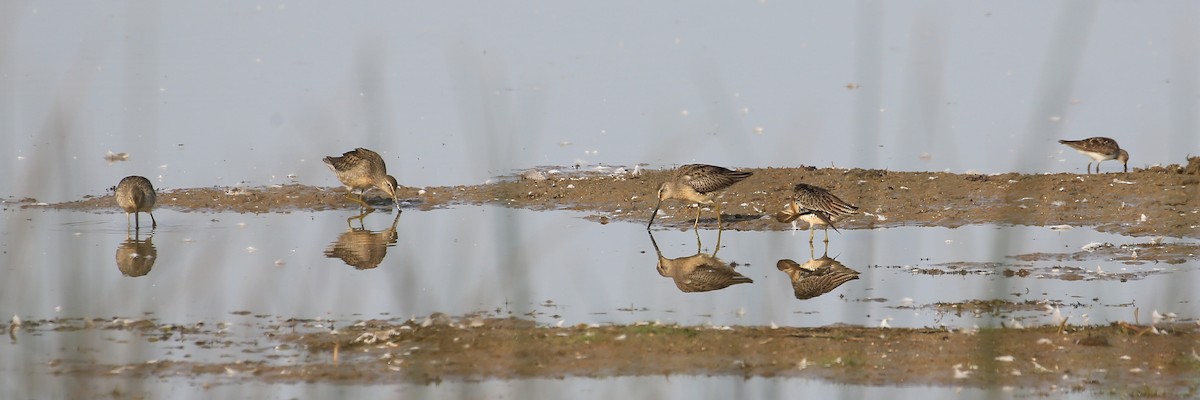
(698, 273)
(1099, 149)
(363, 169)
(135, 194)
(816, 206)
(695, 183)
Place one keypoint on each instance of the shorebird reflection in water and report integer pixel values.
(361, 248)
(362, 169)
(698, 273)
(696, 183)
(136, 257)
(1099, 149)
(816, 206)
(817, 276)
(136, 195)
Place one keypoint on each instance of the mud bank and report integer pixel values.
(1146, 202)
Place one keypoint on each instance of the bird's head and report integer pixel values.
(665, 190)
(1123, 157)
(391, 187)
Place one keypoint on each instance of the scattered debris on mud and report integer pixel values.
(1157, 201)
(1115, 358)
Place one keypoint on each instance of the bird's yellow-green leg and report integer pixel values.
(360, 200)
(714, 253)
(718, 216)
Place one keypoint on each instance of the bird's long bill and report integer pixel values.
(655, 243)
(654, 214)
(396, 201)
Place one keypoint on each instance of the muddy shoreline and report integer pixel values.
(1157, 201)
(1123, 359)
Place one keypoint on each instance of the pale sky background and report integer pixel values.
(218, 93)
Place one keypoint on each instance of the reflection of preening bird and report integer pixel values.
(361, 248)
(1099, 149)
(695, 183)
(816, 206)
(362, 169)
(817, 276)
(135, 194)
(136, 257)
(698, 273)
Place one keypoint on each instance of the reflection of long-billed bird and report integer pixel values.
(1099, 149)
(136, 195)
(817, 276)
(362, 169)
(361, 248)
(695, 183)
(698, 273)
(816, 206)
(136, 257)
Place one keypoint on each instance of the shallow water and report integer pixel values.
(244, 276)
(651, 387)
(552, 266)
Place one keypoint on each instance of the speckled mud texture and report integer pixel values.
(1156, 201)
(1121, 359)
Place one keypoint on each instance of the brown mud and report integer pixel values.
(1122, 359)
(1156, 201)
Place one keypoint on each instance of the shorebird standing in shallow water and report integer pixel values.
(816, 206)
(695, 183)
(1099, 149)
(135, 194)
(363, 169)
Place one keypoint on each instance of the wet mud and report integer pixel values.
(1156, 201)
(1123, 359)
(1150, 258)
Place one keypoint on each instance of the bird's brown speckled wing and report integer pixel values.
(813, 198)
(356, 158)
(709, 178)
(1101, 145)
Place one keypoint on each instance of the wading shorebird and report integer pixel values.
(696, 183)
(135, 194)
(363, 169)
(1099, 149)
(816, 206)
